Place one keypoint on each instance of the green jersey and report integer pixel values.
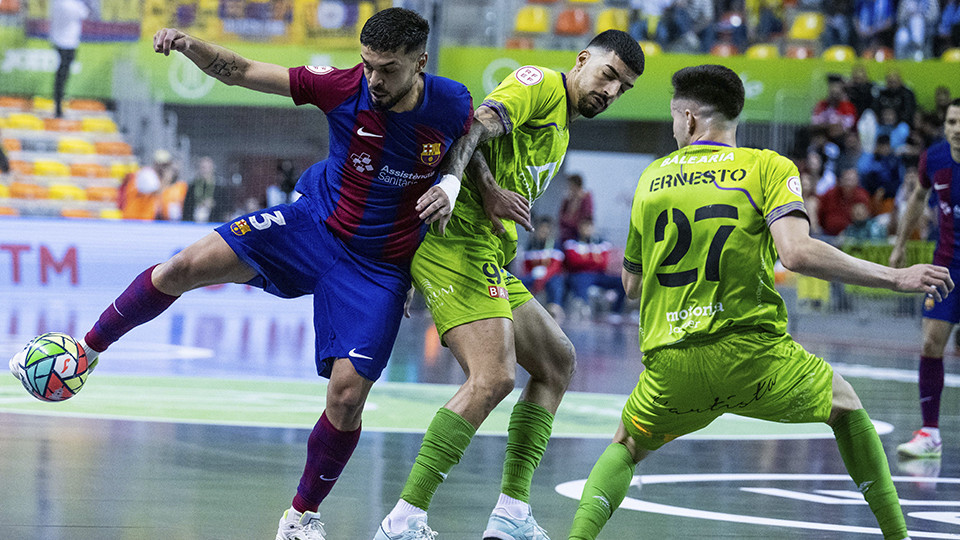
(699, 235)
(532, 106)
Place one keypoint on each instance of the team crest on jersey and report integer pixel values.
(319, 70)
(529, 75)
(793, 184)
(240, 227)
(430, 153)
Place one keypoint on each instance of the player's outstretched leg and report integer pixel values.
(547, 354)
(926, 442)
(863, 455)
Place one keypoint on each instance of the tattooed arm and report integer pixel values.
(223, 64)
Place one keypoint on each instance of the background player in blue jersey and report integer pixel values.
(349, 239)
(939, 170)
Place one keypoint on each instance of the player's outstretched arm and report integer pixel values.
(915, 207)
(800, 253)
(223, 64)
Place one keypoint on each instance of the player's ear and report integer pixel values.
(422, 62)
(582, 59)
(691, 121)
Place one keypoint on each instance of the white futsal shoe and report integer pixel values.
(297, 526)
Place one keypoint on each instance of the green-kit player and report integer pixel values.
(488, 319)
(707, 224)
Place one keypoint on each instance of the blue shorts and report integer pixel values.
(947, 309)
(357, 301)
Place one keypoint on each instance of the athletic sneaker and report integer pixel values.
(502, 526)
(297, 526)
(922, 445)
(417, 529)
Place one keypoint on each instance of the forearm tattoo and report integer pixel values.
(222, 67)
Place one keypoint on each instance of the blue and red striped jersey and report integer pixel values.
(380, 162)
(939, 171)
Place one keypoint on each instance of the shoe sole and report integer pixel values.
(491, 534)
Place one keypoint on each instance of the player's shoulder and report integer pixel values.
(535, 76)
(444, 87)
(938, 155)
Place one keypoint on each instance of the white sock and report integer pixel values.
(292, 514)
(933, 432)
(515, 508)
(396, 520)
(91, 354)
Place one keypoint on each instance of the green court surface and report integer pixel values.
(392, 407)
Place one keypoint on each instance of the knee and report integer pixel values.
(493, 387)
(932, 347)
(344, 406)
(565, 362)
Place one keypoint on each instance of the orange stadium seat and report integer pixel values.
(879, 54)
(99, 125)
(724, 50)
(61, 124)
(24, 190)
(572, 22)
(76, 146)
(12, 145)
(839, 53)
(86, 105)
(24, 121)
(762, 51)
(10, 7)
(76, 213)
(67, 192)
(807, 26)
(50, 168)
(951, 55)
(113, 148)
(519, 43)
(89, 170)
(532, 20)
(612, 19)
(21, 167)
(801, 52)
(42, 104)
(14, 102)
(102, 193)
(8, 211)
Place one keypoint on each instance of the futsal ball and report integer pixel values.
(54, 367)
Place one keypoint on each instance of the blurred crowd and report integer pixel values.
(859, 156)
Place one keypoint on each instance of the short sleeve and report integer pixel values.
(633, 253)
(780, 185)
(519, 96)
(324, 86)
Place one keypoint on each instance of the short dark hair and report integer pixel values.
(623, 45)
(395, 29)
(713, 85)
(575, 179)
(883, 139)
(954, 102)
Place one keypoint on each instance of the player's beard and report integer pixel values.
(392, 99)
(588, 106)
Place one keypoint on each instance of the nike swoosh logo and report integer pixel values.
(364, 133)
(354, 354)
(937, 187)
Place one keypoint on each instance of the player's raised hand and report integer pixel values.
(169, 39)
(926, 278)
(505, 204)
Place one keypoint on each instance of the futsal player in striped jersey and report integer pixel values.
(348, 240)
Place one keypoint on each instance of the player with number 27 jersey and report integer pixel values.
(698, 216)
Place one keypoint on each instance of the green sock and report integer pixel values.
(443, 446)
(605, 489)
(862, 453)
(527, 436)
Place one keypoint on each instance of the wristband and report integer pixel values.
(450, 185)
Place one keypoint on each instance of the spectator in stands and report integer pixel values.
(863, 227)
(586, 259)
(881, 173)
(543, 266)
(811, 202)
(898, 97)
(577, 206)
(173, 191)
(894, 128)
(66, 22)
(948, 29)
(874, 23)
(836, 205)
(941, 100)
(642, 14)
(204, 201)
(916, 26)
(822, 158)
(838, 26)
(835, 111)
(687, 26)
(140, 192)
(860, 89)
(283, 192)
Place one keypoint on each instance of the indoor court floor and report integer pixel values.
(194, 427)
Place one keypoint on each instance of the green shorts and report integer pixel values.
(683, 389)
(462, 278)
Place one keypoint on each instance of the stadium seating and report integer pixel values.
(89, 170)
(111, 213)
(85, 105)
(12, 145)
(50, 168)
(21, 167)
(951, 55)
(879, 54)
(26, 190)
(724, 50)
(762, 51)
(113, 148)
(66, 192)
(14, 102)
(76, 146)
(532, 20)
(651, 48)
(517, 42)
(806, 26)
(43, 104)
(102, 193)
(98, 124)
(8, 211)
(24, 121)
(10, 7)
(61, 124)
(76, 213)
(612, 19)
(4, 191)
(839, 53)
(800, 52)
(572, 22)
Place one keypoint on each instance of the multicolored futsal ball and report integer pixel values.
(54, 367)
